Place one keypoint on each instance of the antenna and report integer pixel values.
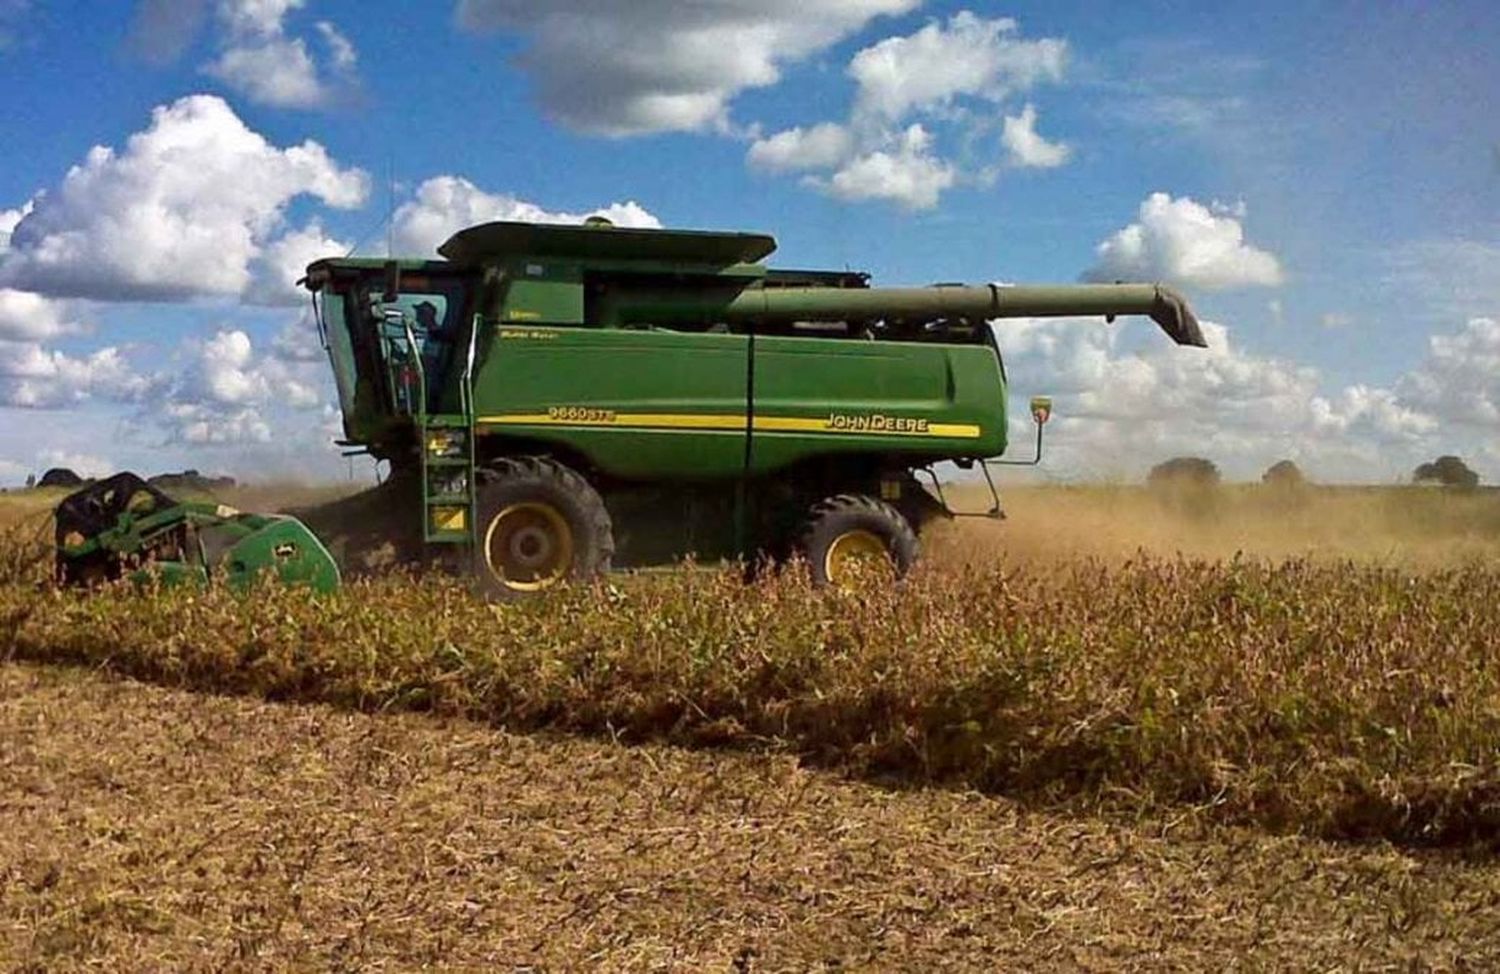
(390, 205)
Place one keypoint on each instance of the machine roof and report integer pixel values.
(488, 241)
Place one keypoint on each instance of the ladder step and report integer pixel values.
(449, 537)
(447, 462)
(447, 500)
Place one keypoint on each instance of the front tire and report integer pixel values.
(540, 523)
(846, 529)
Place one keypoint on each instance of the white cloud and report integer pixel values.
(197, 425)
(968, 56)
(38, 378)
(226, 392)
(283, 262)
(616, 68)
(340, 49)
(10, 219)
(260, 60)
(909, 174)
(1028, 149)
(445, 204)
(1184, 242)
(297, 342)
(949, 76)
(278, 71)
(823, 146)
(261, 18)
(1459, 379)
(183, 210)
(226, 372)
(29, 317)
(1123, 404)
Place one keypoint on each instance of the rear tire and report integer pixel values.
(540, 523)
(849, 527)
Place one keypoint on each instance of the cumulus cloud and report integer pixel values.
(944, 80)
(445, 204)
(35, 377)
(968, 56)
(1185, 242)
(262, 61)
(908, 174)
(184, 209)
(283, 261)
(258, 56)
(10, 219)
(658, 66)
(29, 317)
(823, 146)
(1123, 410)
(225, 391)
(1125, 400)
(1459, 378)
(1025, 148)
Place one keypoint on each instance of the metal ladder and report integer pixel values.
(447, 448)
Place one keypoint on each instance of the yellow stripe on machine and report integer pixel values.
(724, 421)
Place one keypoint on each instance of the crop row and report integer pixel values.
(1337, 700)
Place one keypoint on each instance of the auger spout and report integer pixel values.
(1162, 304)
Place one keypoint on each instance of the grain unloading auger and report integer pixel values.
(568, 396)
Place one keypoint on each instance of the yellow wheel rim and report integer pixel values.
(528, 546)
(857, 547)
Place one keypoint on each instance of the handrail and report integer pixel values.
(467, 388)
(416, 357)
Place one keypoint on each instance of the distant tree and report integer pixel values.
(30, 481)
(1449, 471)
(60, 477)
(1185, 472)
(1283, 473)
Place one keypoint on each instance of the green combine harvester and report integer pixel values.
(569, 396)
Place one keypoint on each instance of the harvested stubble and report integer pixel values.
(144, 829)
(1335, 700)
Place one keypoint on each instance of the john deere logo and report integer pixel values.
(876, 423)
(1041, 409)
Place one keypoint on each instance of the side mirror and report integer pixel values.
(1041, 409)
(392, 282)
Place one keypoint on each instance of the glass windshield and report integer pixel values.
(430, 314)
(340, 348)
(434, 309)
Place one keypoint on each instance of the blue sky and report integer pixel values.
(1324, 183)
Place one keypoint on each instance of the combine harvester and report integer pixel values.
(567, 395)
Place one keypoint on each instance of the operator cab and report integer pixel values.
(397, 334)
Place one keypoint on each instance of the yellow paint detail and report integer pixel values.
(520, 314)
(449, 518)
(716, 421)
